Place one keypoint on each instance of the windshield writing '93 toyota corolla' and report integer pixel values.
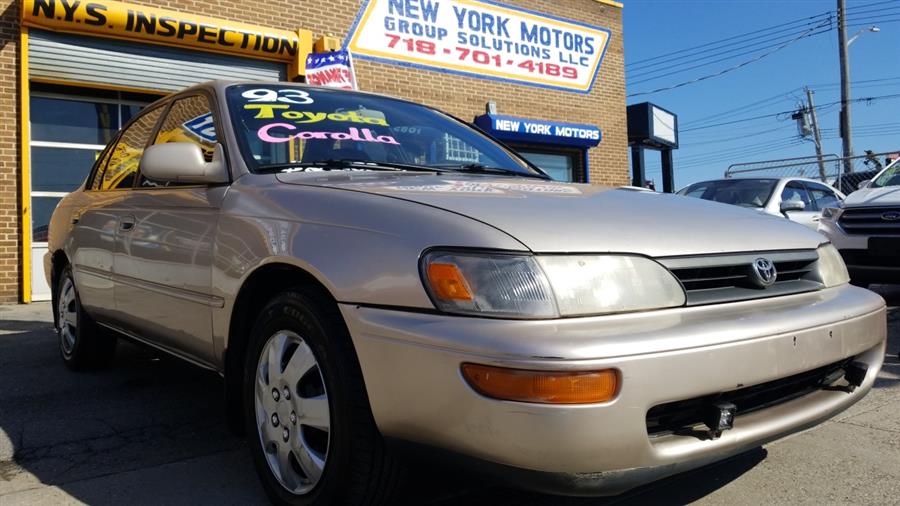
(284, 128)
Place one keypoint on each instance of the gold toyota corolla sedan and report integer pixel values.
(369, 275)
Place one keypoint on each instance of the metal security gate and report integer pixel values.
(60, 57)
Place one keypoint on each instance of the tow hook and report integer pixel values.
(719, 417)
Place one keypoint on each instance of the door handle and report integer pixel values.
(126, 223)
(816, 218)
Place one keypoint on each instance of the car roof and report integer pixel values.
(778, 179)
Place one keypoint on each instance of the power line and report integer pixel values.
(742, 120)
(866, 100)
(879, 21)
(766, 102)
(735, 138)
(736, 150)
(662, 71)
(769, 37)
(856, 83)
(727, 39)
(870, 5)
(727, 70)
(730, 157)
(855, 12)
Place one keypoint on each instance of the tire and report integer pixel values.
(82, 343)
(310, 428)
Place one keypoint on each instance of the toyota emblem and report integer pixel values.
(891, 216)
(764, 273)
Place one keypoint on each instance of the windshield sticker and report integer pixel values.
(493, 188)
(286, 95)
(353, 134)
(365, 116)
(201, 127)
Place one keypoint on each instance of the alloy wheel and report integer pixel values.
(293, 417)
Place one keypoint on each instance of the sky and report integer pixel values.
(788, 44)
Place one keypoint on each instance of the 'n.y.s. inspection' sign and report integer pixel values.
(481, 39)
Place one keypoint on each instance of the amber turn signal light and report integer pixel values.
(544, 387)
(448, 282)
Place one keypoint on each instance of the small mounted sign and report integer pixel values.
(536, 131)
(333, 69)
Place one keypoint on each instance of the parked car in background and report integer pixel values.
(798, 199)
(866, 228)
(369, 274)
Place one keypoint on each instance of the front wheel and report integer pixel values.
(82, 343)
(313, 438)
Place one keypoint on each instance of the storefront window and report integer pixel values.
(73, 121)
(558, 166)
(60, 169)
(41, 210)
(69, 128)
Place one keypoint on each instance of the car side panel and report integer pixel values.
(84, 226)
(162, 267)
(320, 230)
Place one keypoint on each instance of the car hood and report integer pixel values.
(563, 217)
(872, 197)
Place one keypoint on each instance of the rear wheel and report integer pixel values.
(82, 343)
(311, 431)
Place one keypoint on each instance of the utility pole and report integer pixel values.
(845, 87)
(816, 136)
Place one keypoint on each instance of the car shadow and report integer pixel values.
(440, 486)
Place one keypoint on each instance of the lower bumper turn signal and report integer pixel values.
(544, 387)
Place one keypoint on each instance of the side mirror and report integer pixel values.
(863, 184)
(182, 162)
(792, 205)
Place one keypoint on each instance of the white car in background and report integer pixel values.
(798, 199)
(866, 228)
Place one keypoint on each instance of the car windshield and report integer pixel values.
(888, 177)
(741, 192)
(292, 128)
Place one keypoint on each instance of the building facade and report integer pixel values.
(545, 76)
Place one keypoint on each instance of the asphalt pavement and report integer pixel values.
(151, 430)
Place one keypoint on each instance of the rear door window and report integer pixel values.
(822, 196)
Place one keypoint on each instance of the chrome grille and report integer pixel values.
(870, 221)
(712, 279)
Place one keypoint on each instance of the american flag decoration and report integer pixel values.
(333, 69)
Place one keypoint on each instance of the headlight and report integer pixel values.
(832, 213)
(832, 269)
(526, 286)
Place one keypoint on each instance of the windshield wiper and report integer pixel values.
(334, 164)
(478, 168)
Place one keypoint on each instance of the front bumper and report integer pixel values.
(863, 264)
(411, 365)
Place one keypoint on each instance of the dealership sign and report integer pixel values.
(333, 69)
(526, 130)
(481, 39)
